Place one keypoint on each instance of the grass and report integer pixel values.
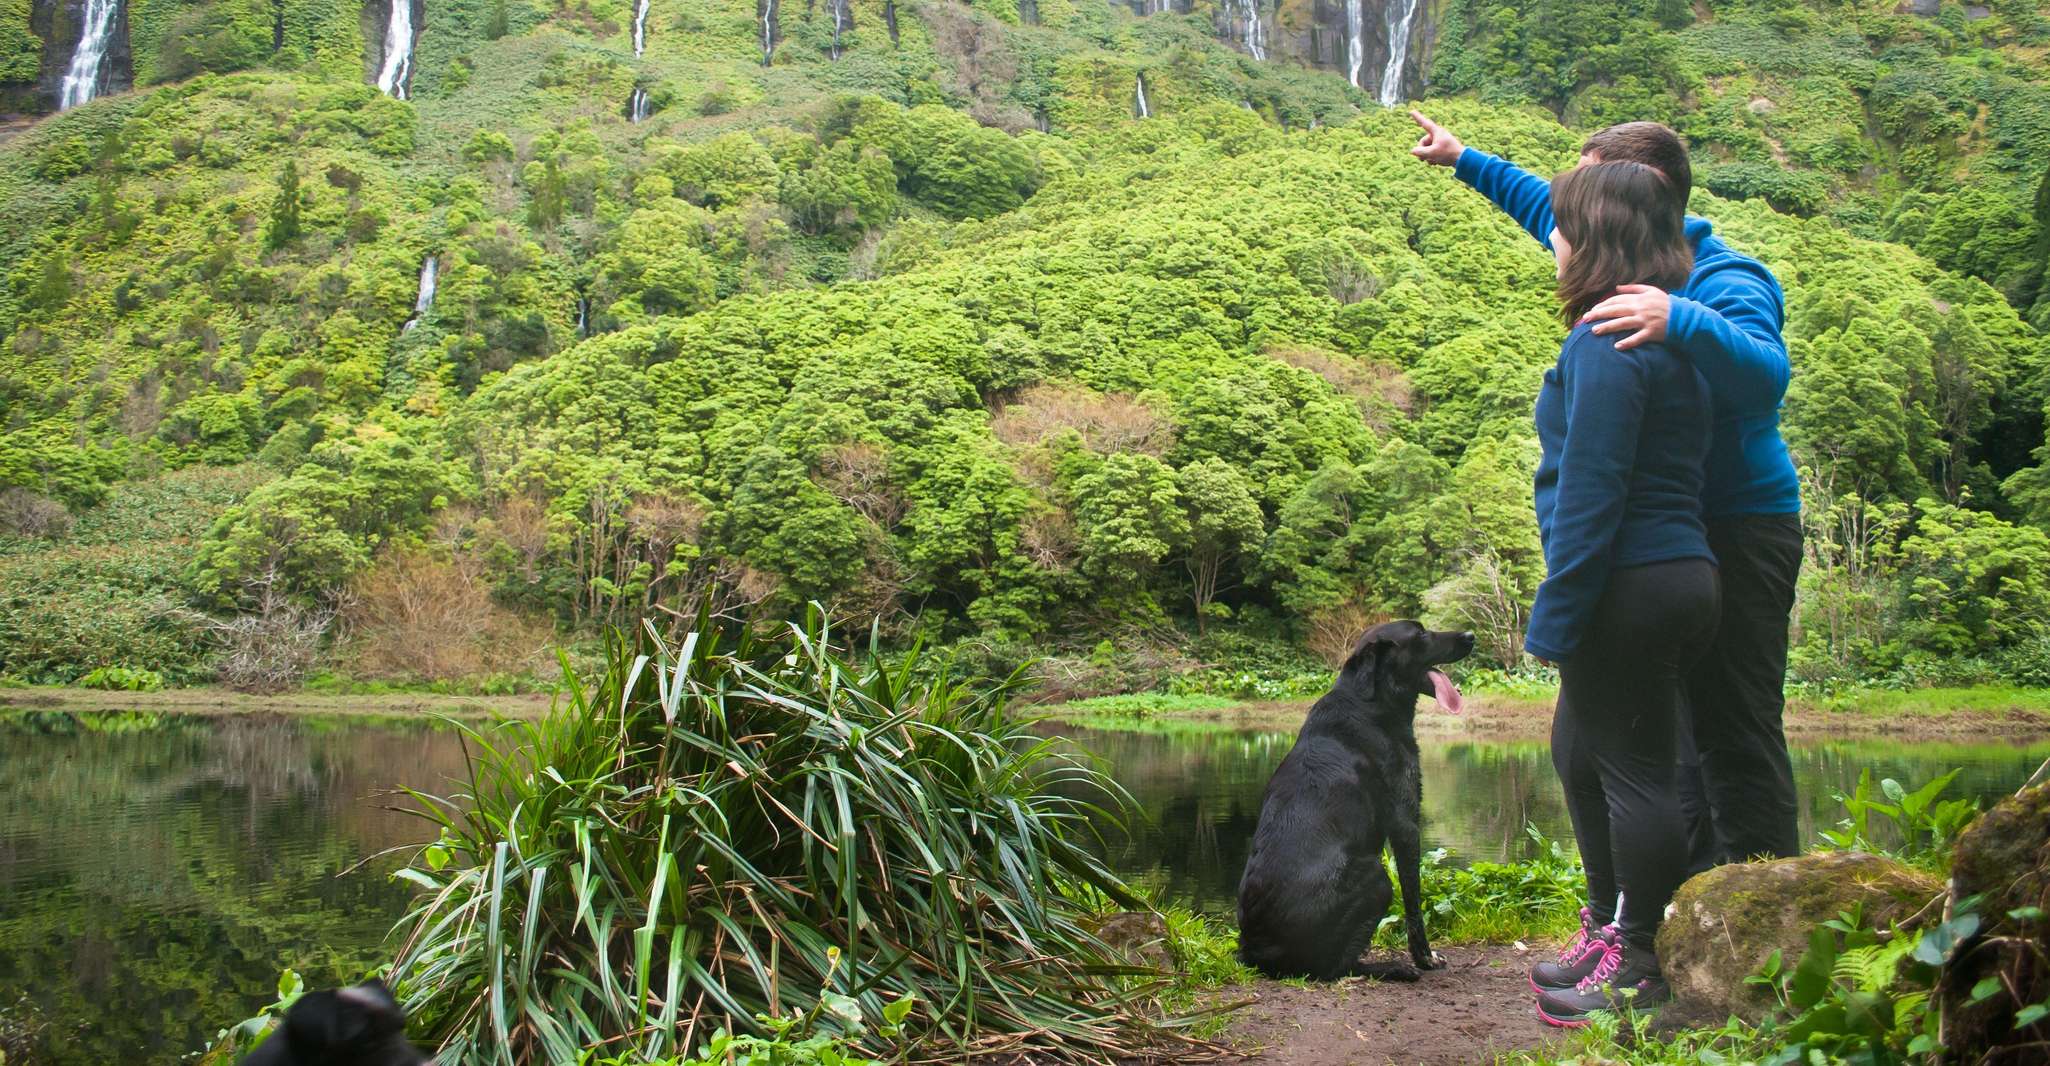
(1140, 705)
(1928, 702)
(720, 832)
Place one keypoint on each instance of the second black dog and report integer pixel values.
(1314, 889)
(361, 1025)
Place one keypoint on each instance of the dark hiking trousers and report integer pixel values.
(1615, 736)
(1737, 782)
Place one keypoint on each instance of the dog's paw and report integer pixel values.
(1386, 971)
(1435, 961)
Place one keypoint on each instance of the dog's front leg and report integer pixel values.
(1408, 862)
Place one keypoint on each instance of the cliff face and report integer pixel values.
(1352, 38)
(56, 26)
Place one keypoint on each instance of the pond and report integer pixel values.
(157, 871)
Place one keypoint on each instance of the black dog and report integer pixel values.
(1314, 889)
(361, 1025)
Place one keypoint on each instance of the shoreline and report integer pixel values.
(213, 701)
(1926, 715)
(1981, 714)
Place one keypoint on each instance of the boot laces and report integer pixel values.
(1577, 948)
(1612, 960)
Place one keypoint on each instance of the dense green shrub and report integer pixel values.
(883, 839)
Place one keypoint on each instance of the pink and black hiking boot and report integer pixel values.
(1625, 979)
(1577, 959)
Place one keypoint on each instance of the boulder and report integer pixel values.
(1727, 922)
(2004, 858)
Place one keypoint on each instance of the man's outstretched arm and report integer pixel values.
(1522, 195)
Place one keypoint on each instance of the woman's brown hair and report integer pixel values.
(1624, 224)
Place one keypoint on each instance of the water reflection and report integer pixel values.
(1199, 792)
(156, 872)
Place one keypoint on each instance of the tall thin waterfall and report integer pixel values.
(838, 9)
(637, 107)
(1355, 41)
(430, 269)
(1255, 30)
(396, 76)
(640, 28)
(1398, 51)
(1139, 95)
(583, 317)
(82, 79)
(768, 14)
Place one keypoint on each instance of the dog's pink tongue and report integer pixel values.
(1447, 692)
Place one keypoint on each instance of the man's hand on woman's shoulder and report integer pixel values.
(1438, 146)
(1640, 310)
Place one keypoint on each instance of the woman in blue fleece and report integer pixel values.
(1631, 594)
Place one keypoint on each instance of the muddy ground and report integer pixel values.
(1474, 1010)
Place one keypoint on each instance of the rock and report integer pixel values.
(1925, 8)
(2005, 856)
(1138, 938)
(1727, 922)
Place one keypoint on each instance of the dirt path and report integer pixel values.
(1475, 1009)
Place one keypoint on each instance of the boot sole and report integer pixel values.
(1576, 1022)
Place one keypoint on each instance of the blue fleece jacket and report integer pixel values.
(1625, 434)
(1727, 320)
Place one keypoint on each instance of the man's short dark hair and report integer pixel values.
(1649, 143)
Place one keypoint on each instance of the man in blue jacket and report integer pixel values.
(1727, 320)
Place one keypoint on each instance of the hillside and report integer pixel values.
(922, 318)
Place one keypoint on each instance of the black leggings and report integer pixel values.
(1614, 736)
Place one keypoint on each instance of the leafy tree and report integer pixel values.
(283, 227)
(1223, 521)
(1975, 583)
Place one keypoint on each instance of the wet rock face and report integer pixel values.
(2005, 859)
(1727, 922)
(60, 24)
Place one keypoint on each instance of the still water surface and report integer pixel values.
(156, 872)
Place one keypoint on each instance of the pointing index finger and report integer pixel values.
(1418, 118)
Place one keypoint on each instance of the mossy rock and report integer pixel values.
(1137, 938)
(1727, 922)
(2005, 859)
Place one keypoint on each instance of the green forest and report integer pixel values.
(920, 318)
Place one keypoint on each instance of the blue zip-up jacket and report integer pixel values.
(1727, 320)
(1625, 434)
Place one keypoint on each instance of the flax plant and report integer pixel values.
(723, 830)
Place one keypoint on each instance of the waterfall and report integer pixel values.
(637, 108)
(768, 11)
(1398, 51)
(1355, 41)
(1255, 30)
(396, 76)
(1139, 94)
(838, 9)
(583, 317)
(82, 79)
(640, 27)
(430, 268)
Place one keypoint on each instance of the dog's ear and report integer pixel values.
(1367, 654)
(374, 1003)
